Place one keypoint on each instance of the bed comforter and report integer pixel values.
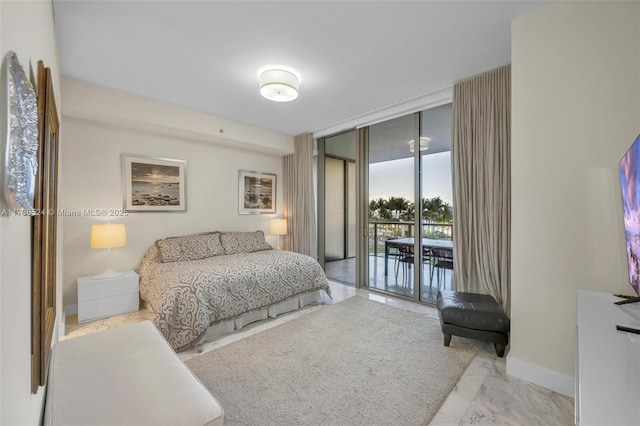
(189, 296)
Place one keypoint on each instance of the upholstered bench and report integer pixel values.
(477, 316)
(127, 375)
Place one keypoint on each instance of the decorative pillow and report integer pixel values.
(190, 247)
(196, 234)
(243, 242)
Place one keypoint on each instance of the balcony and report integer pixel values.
(399, 277)
(380, 231)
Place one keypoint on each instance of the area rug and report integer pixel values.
(355, 362)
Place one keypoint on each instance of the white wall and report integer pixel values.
(576, 110)
(27, 29)
(91, 102)
(93, 180)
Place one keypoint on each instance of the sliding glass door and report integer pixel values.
(394, 179)
(391, 216)
(436, 201)
(410, 205)
(340, 207)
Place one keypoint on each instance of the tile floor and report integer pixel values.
(485, 394)
(344, 271)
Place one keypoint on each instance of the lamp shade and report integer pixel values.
(279, 85)
(108, 236)
(278, 227)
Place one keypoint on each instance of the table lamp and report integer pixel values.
(278, 227)
(108, 236)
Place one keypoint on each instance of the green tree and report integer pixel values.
(436, 211)
(379, 210)
(408, 214)
(399, 206)
(447, 213)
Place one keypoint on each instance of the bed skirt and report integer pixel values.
(230, 325)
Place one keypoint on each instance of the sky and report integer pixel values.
(395, 178)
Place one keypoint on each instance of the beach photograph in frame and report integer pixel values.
(153, 184)
(257, 192)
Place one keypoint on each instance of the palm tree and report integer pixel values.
(437, 211)
(447, 213)
(378, 209)
(407, 215)
(373, 209)
(398, 206)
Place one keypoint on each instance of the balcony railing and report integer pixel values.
(381, 231)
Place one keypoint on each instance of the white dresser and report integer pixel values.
(101, 298)
(608, 361)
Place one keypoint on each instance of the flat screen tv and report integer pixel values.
(630, 185)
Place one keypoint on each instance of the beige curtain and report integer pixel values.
(481, 139)
(299, 199)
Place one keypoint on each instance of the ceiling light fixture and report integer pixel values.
(279, 85)
(424, 144)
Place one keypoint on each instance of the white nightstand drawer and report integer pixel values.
(103, 298)
(91, 289)
(107, 307)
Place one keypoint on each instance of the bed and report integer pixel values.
(202, 285)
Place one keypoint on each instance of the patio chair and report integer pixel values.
(406, 259)
(442, 259)
(427, 258)
(394, 252)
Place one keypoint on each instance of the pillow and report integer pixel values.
(190, 247)
(194, 235)
(243, 242)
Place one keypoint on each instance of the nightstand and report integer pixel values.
(107, 297)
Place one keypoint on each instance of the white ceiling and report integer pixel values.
(354, 57)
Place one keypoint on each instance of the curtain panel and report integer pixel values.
(299, 199)
(481, 155)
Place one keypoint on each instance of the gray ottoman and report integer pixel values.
(477, 316)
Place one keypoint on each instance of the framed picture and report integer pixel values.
(44, 231)
(153, 184)
(257, 192)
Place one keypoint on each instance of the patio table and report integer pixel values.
(409, 242)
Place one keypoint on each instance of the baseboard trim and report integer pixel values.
(541, 376)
